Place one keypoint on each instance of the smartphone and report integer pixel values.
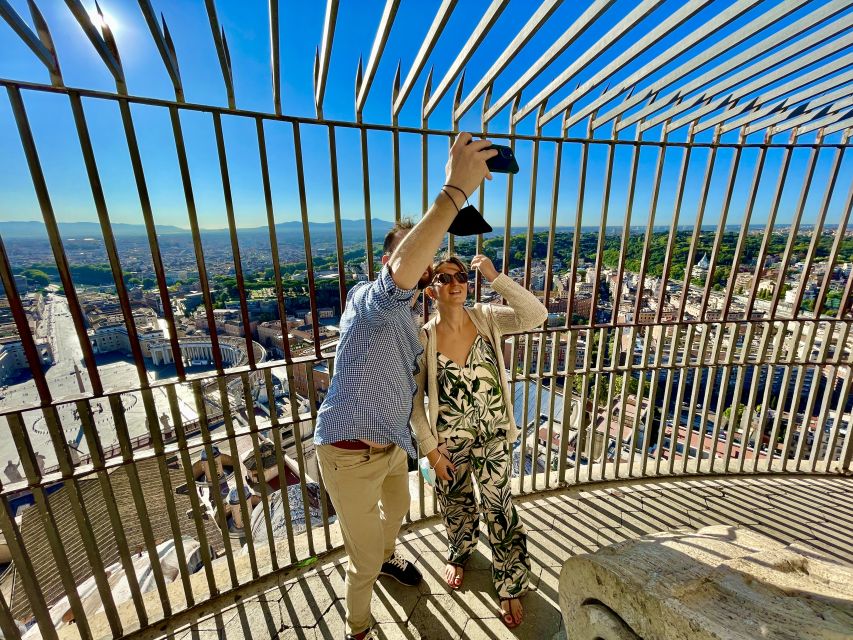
(504, 162)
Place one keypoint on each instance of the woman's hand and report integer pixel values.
(484, 265)
(441, 464)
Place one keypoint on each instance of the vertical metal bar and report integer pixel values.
(552, 393)
(682, 371)
(786, 373)
(744, 227)
(96, 454)
(584, 403)
(715, 357)
(276, 263)
(40, 186)
(528, 265)
(510, 181)
(728, 359)
(276, 437)
(813, 388)
(25, 570)
(275, 57)
(336, 208)
(626, 231)
(196, 236)
(602, 232)
(556, 339)
(697, 228)
(778, 337)
(306, 236)
(19, 434)
(312, 403)
(238, 474)
(235, 243)
(734, 423)
(765, 241)
(106, 230)
(22, 325)
(151, 232)
(761, 358)
(796, 398)
(368, 222)
(192, 491)
(481, 204)
(568, 393)
(833, 255)
(246, 384)
(795, 226)
(641, 279)
(7, 626)
(801, 352)
(168, 496)
(122, 434)
(817, 230)
(673, 229)
(826, 401)
(213, 478)
(576, 236)
(721, 230)
(300, 461)
(221, 45)
(847, 445)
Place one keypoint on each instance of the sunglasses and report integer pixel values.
(447, 278)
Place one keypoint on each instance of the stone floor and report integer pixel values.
(817, 510)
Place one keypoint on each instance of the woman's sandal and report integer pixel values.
(506, 614)
(458, 576)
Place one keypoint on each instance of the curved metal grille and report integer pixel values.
(694, 246)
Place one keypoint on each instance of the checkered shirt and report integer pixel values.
(371, 393)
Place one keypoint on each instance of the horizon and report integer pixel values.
(245, 24)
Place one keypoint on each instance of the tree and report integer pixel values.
(37, 276)
(148, 283)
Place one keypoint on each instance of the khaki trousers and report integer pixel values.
(370, 492)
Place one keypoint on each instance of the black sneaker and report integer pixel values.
(367, 634)
(401, 570)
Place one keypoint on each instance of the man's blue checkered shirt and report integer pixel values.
(371, 393)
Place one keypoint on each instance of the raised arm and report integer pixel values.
(523, 310)
(465, 170)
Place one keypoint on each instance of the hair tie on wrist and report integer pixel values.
(444, 191)
(457, 188)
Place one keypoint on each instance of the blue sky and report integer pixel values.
(246, 25)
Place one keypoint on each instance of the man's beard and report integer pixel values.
(424, 282)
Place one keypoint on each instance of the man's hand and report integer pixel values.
(466, 169)
(441, 464)
(484, 265)
(466, 166)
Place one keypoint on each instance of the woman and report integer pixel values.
(468, 431)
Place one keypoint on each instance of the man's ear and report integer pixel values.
(385, 258)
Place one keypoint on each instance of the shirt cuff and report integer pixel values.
(392, 291)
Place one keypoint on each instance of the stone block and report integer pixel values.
(720, 583)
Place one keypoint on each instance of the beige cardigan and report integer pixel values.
(492, 321)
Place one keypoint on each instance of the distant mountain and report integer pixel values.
(351, 230)
(36, 229)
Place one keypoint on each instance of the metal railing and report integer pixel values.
(639, 387)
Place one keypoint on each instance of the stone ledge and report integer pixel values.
(720, 583)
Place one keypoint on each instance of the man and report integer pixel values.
(362, 433)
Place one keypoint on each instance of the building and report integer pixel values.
(13, 359)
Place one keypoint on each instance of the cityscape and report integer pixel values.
(192, 190)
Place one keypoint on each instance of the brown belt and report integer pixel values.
(355, 445)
